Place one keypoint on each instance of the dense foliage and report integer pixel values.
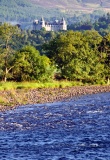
(77, 56)
(102, 25)
(44, 56)
(30, 65)
(24, 64)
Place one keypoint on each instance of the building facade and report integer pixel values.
(54, 26)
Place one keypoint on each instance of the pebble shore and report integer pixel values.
(15, 98)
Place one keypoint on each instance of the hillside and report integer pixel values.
(24, 10)
(28, 10)
(78, 5)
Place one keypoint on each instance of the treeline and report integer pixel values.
(102, 25)
(44, 56)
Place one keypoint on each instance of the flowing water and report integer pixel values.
(77, 129)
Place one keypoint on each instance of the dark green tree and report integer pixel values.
(104, 48)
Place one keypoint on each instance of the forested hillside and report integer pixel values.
(15, 10)
(28, 10)
(75, 4)
(102, 25)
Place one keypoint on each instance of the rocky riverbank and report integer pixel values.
(13, 98)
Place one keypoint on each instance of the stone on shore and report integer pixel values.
(13, 98)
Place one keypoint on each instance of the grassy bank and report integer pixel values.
(34, 85)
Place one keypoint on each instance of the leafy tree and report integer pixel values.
(38, 38)
(30, 65)
(93, 38)
(7, 34)
(77, 56)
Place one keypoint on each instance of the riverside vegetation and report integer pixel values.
(71, 58)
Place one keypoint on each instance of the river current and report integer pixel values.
(77, 129)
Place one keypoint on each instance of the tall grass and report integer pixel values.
(34, 85)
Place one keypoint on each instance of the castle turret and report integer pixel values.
(34, 24)
(63, 24)
(42, 22)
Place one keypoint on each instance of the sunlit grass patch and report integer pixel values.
(7, 85)
(34, 85)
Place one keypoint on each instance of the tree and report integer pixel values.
(77, 56)
(104, 48)
(30, 65)
(93, 38)
(7, 34)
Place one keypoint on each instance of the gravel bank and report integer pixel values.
(14, 98)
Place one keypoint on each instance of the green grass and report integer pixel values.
(53, 84)
(33, 85)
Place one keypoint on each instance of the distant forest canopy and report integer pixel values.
(102, 25)
(24, 12)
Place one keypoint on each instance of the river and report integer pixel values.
(77, 129)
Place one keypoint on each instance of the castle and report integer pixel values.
(55, 26)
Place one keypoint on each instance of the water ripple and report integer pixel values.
(75, 130)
